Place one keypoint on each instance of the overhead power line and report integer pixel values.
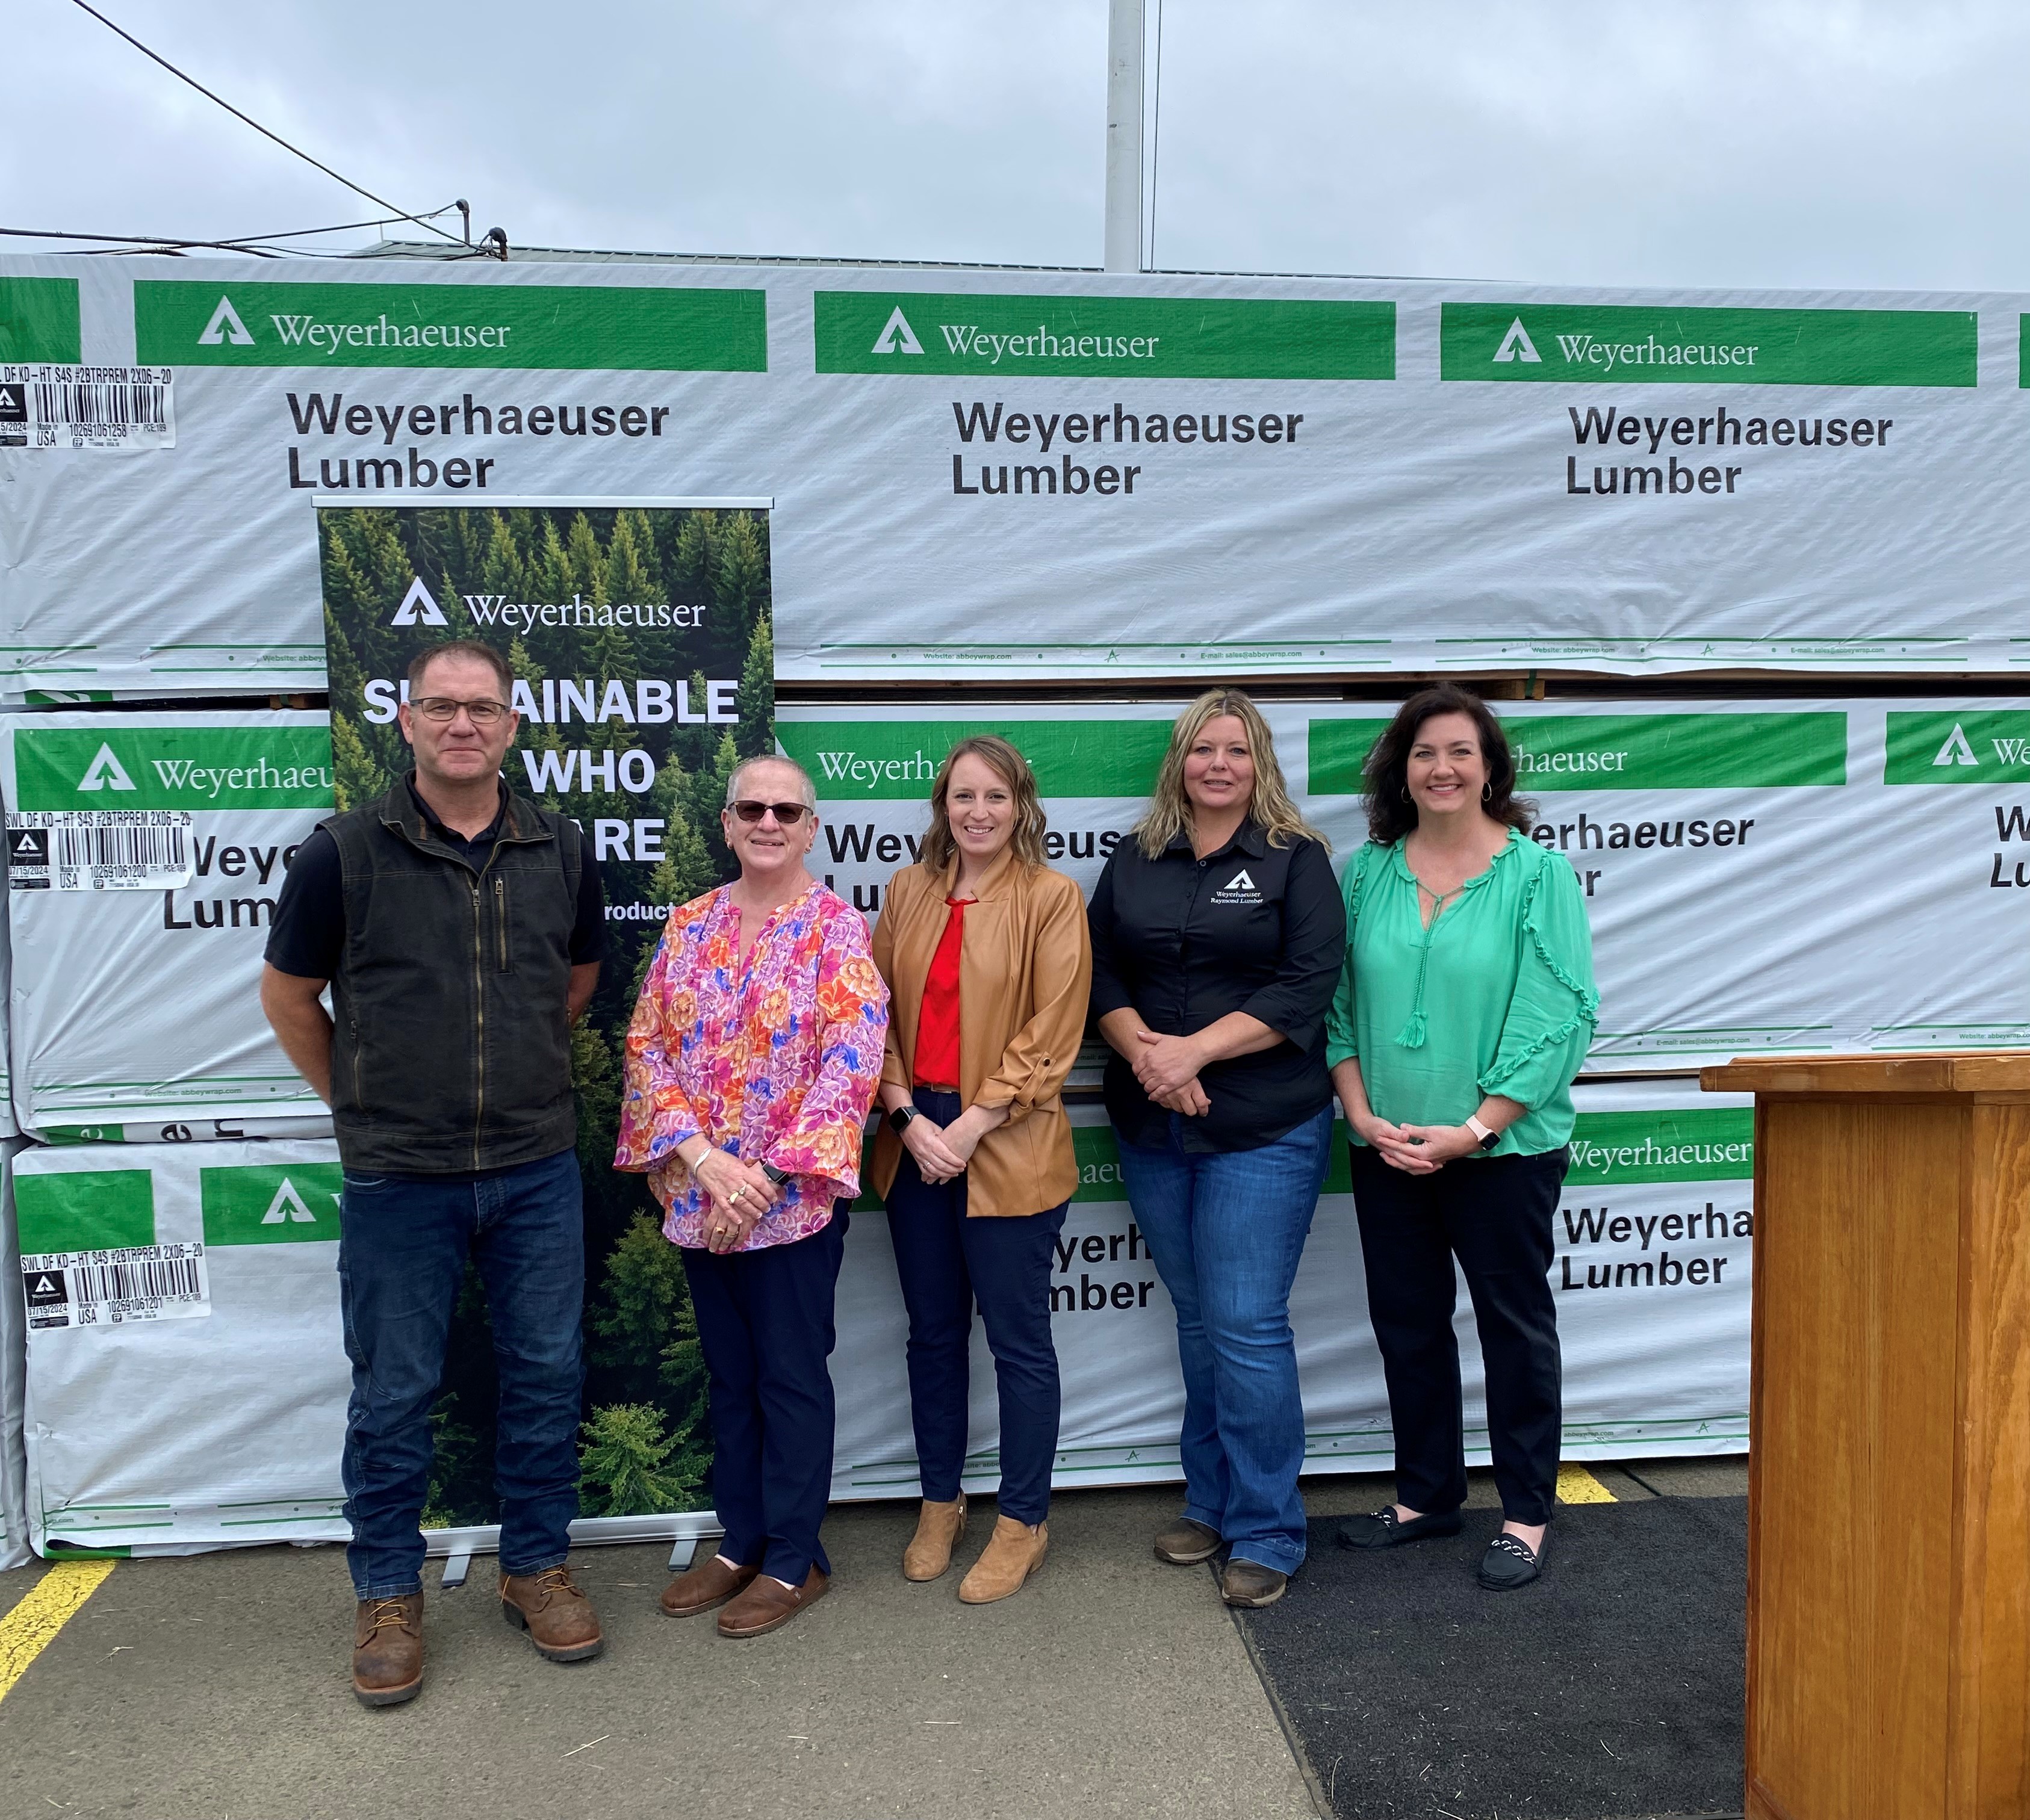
(395, 213)
(251, 242)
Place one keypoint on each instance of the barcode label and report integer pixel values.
(115, 407)
(100, 849)
(112, 1288)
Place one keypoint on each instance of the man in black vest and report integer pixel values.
(460, 929)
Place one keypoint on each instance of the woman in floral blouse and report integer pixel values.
(752, 1061)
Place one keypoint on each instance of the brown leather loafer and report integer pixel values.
(1187, 1542)
(1249, 1584)
(768, 1605)
(939, 1529)
(1014, 1552)
(702, 1587)
(559, 1618)
(388, 1649)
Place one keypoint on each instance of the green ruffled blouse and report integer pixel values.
(1496, 996)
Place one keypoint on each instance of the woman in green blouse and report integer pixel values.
(1464, 1009)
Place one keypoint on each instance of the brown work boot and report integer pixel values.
(1187, 1542)
(388, 1649)
(559, 1618)
(939, 1528)
(700, 1589)
(1249, 1584)
(1014, 1552)
(767, 1604)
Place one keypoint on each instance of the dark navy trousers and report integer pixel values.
(764, 1322)
(946, 1263)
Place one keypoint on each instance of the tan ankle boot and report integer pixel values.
(938, 1528)
(1014, 1552)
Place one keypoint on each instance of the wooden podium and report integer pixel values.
(1889, 1483)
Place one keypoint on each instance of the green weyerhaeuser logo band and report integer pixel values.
(897, 760)
(292, 1204)
(585, 327)
(998, 336)
(1988, 746)
(39, 321)
(1702, 1144)
(85, 1210)
(1625, 752)
(78, 768)
(1644, 345)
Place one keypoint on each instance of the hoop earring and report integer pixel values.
(1487, 792)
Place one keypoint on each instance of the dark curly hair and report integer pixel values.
(1391, 815)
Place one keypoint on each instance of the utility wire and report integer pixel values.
(248, 240)
(394, 213)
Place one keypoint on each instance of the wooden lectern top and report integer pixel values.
(1968, 1071)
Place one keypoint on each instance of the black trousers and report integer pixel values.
(1494, 1214)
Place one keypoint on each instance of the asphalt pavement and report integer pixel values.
(215, 1688)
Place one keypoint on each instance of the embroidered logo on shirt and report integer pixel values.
(1241, 889)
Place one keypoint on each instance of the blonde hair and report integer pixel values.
(1269, 807)
(1013, 769)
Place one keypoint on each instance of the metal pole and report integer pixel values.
(1124, 39)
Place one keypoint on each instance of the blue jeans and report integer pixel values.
(404, 1241)
(1226, 1231)
(947, 1262)
(764, 1324)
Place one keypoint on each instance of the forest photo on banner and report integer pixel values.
(639, 635)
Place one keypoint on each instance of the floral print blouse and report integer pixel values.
(780, 1066)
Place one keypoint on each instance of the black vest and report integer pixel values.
(451, 1049)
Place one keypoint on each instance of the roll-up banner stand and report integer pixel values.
(1035, 475)
(187, 1383)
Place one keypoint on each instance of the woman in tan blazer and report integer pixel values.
(987, 960)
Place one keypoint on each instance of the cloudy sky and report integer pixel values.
(1778, 142)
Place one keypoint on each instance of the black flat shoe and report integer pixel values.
(1383, 1528)
(1509, 1563)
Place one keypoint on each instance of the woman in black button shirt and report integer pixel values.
(1217, 932)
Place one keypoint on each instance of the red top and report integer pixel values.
(937, 1024)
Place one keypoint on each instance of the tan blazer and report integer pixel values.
(1025, 966)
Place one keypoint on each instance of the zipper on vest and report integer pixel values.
(500, 921)
(479, 1008)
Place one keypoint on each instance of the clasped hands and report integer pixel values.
(741, 1193)
(944, 1151)
(1168, 1068)
(1415, 1150)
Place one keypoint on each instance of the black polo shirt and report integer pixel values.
(309, 934)
(1183, 941)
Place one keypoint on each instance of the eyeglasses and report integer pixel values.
(441, 707)
(786, 815)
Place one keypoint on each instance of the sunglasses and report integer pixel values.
(786, 815)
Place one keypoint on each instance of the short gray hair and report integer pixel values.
(809, 789)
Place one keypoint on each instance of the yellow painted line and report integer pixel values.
(1576, 1486)
(45, 1609)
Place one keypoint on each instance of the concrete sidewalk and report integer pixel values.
(217, 1686)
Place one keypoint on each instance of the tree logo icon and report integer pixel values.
(1516, 345)
(896, 333)
(105, 772)
(1956, 751)
(418, 607)
(226, 326)
(287, 1204)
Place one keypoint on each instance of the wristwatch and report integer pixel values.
(778, 1176)
(900, 1118)
(1488, 1139)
